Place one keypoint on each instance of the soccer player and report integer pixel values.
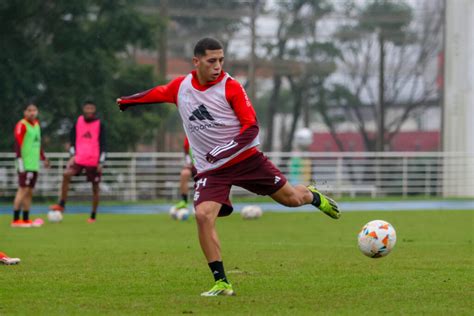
(222, 128)
(187, 172)
(29, 152)
(6, 260)
(88, 155)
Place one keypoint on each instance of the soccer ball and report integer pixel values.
(377, 238)
(303, 137)
(55, 216)
(182, 214)
(173, 212)
(251, 212)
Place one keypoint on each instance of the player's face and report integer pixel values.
(209, 66)
(89, 111)
(31, 112)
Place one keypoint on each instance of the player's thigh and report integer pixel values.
(264, 178)
(72, 170)
(286, 195)
(213, 189)
(93, 175)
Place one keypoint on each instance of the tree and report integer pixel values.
(64, 52)
(406, 44)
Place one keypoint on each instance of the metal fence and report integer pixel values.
(140, 176)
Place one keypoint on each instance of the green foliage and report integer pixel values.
(282, 264)
(63, 52)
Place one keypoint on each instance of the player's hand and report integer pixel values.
(210, 158)
(99, 168)
(122, 107)
(46, 163)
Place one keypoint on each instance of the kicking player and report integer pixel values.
(222, 129)
(187, 172)
(29, 152)
(87, 155)
(6, 260)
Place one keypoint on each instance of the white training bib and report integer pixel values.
(209, 121)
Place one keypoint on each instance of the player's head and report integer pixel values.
(31, 111)
(208, 58)
(89, 109)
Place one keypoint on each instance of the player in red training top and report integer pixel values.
(222, 128)
(187, 172)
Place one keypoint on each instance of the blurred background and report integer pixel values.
(369, 98)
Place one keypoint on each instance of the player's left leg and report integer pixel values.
(95, 201)
(184, 177)
(294, 196)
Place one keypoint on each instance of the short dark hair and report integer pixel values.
(88, 102)
(206, 43)
(28, 104)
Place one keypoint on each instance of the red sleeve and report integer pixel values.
(238, 99)
(160, 94)
(20, 131)
(186, 146)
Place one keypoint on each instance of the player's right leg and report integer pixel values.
(206, 215)
(294, 196)
(183, 185)
(61, 205)
(19, 197)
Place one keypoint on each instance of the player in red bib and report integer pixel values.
(222, 128)
(88, 155)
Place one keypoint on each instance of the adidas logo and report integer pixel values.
(87, 135)
(277, 179)
(201, 114)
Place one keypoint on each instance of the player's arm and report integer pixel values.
(188, 160)
(102, 146)
(19, 134)
(160, 94)
(237, 98)
(72, 141)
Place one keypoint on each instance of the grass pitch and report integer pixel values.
(299, 263)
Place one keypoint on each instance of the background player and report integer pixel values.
(187, 172)
(29, 152)
(222, 128)
(6, 260)
(88, 155)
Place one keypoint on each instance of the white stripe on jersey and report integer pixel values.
(216, 151)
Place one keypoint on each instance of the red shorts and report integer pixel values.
(91, 172)
(27, 179)
(256, 174)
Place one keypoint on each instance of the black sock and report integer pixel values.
(93, 215)
(184, 197)
(26, 215)
(217, 269)
(62, 203)
(316, 199)
(16, 215)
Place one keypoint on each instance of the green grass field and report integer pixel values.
(300, 263)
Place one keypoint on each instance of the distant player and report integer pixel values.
(222, 129)
(187, 172)
(6, 260)
(29, 152)
(88, 155)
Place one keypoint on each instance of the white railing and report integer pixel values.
(137, 176)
